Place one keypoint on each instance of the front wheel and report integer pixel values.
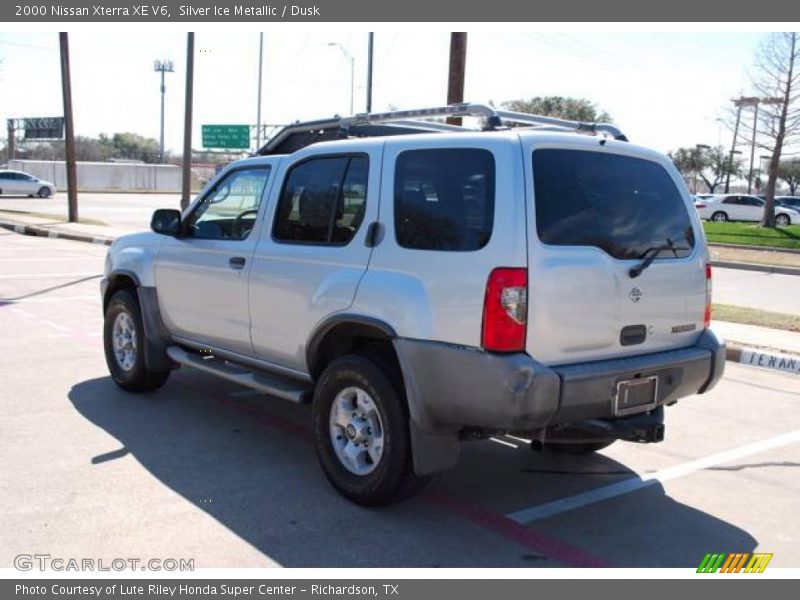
(719, 217)
(783, 220)
(44, 192)
(361, 436)
(124, 340)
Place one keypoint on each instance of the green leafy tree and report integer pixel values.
(712, 165)
(574, 109)
(789, 171)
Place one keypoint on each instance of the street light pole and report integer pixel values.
(260, 72)
(163, 67)
(370, 47)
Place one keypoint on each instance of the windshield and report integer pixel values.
(625, 206)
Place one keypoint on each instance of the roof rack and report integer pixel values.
(399, 122)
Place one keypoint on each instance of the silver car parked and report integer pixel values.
(19, 183)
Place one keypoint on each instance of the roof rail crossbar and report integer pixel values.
(494, 119)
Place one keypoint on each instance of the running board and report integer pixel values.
(263, 382)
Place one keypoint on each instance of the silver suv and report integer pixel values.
(422, 284)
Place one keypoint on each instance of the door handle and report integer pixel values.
(236, 262)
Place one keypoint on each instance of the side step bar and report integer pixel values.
(268, 383)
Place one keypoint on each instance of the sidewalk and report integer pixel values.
(45, 227)
(760, 346)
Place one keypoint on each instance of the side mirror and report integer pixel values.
(166, 221)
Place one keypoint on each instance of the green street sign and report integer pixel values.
(227, 137)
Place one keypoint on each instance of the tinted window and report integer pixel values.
(323, 201)
(732, 200)
(444, 199)
(619, 204)
(230, 209)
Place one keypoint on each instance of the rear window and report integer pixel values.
(444, 199)
(622, 205)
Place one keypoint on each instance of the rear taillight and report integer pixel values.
(700, 205)
(707, 314)
(505, 310)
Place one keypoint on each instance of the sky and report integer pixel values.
(665, 90)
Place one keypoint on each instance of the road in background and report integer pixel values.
(756, 289)
(127, 212)
(132, 212)
(208, 470)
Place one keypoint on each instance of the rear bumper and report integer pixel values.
(451, 387)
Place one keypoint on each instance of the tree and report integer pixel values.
(574, 109)
(789, 171)
(777, 80)
(712, 165)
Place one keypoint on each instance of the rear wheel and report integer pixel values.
(719, 217)
(360, 425)
(124, 340)
(782, 220)
(44, 192)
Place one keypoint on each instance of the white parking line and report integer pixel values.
(504, 443)
(549, 509)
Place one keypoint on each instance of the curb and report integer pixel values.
(744, 266)
(52, 233)
(758, 248)
(765, 358)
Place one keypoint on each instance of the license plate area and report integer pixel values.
(636, 395)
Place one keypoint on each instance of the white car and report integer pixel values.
(19, 183)
(740, 207)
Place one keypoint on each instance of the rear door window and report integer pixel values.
(444, 199)
(625, 206)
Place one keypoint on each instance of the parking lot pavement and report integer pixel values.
(207, 470)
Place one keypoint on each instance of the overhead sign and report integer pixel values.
(44, 128)
(226, 137)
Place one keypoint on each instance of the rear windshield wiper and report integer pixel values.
(649, 256)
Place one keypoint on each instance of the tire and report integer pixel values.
(719, 217)
(782, 220)
(127, 367)
(577, 447)
(375, 433)
(44, 192)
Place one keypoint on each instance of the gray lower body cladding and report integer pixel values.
(451, 387)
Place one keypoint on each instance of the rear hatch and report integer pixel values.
(599, 210)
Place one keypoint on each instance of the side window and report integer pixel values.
(444, 199)
(323, 201)
(229, 210)
(732, 200)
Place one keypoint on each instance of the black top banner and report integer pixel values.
(29, 11)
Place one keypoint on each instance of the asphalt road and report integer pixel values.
(132, 212)
(756, 289)
(206, 470)
(127, 212)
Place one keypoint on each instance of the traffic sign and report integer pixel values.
(227, 137)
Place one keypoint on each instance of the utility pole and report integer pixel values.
(12, 142)
(752, 149)
(187, 123)
(370, 49)
(455, 78)
(163, 67)
(738, 104)
(258, 105)
(69, 131)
